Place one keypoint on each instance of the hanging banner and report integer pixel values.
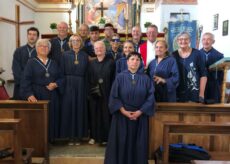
(181, 26)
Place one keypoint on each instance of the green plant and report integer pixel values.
(147, 24)
(101, 21)
(53, 26)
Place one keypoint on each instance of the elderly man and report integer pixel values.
(136, 37)
(84, 32)
(59, 43)
(215, 78)
(147, 49)
(21, 56)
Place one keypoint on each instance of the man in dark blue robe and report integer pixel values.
(215, 78)
(74, 114)
(128, 139)
(59, 43)
(20, 58)
(166, 69)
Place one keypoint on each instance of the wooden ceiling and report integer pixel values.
(51, 1)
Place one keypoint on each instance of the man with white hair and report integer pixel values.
(215, 78)
(60, 43)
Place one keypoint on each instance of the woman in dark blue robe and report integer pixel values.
(131, 104)
(74, 115)
(164, 72)
(192, 71)
(121, 64)
(42, 80)
(215, 78)
(101, 76)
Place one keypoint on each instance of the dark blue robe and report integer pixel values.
(114, 55)
(34, 82)
(121, 65)
(191, 69)
(99, 116)
(215, 78)
(74, 115)
(20, 58)
(128, 139)
(167, 69)
(89, 48)
(57, 50)
(136, 46)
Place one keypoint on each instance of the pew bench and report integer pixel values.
(181, 128)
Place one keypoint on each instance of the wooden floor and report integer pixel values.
(80, 160)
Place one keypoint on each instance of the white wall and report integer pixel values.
(8, 36)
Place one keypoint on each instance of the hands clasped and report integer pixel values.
(131, 115)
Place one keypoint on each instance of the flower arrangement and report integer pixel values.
(147, 24)
(102, 21)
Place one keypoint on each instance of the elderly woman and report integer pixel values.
(101, 75)
(121, 64)
(192, 71)
(41, 81)
(74, 114)
(131, 104)
(164, 72)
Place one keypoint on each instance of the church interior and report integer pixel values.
(209, 125)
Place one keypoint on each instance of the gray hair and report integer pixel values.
(210, 34)
(100, 42)
(43, 42)
(184, 33)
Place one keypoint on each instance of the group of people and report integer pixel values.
(105, 90)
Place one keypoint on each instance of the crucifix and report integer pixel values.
(17, 23)
(102, 8)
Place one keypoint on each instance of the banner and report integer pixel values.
(181, 26)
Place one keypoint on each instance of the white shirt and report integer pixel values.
(150, 52)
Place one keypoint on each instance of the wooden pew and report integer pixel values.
(12, 125)
(190, 112)
(33, 127)
(191, 128)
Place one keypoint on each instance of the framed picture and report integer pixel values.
(179, 16)
(215, 21)
(225, 28)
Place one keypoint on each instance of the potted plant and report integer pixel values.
(53, 27)
(147, 24)
(101, 22)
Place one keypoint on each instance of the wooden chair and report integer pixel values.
(182, 128)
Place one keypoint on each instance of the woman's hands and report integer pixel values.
(32, 98)
(159, 80)
(131, 115)
(51, 86)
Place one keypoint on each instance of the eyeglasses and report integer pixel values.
(75, 41)
(43, 46)
(183, 39)
(116, 40)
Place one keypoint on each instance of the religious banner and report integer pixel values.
(174, 28)
(113, 11)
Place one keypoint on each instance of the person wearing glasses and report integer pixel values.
(192, 71)
(43, 80)
(115, 51)
(74, 116)
(108, 31)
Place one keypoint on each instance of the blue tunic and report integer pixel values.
(167, 69)
(34, 82)
(136, 46)
(57, 50)
(114, 55)
(128, 139)
(20, 58)
(191, 69)
(215, 78)
(121, 65)
(98, 106)
(74, 115)
(89, 48)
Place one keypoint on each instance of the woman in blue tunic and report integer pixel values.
(121, 64)
(131, 104)
(192, 71)
(74, 116)
(164, 72)
(42, 80)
